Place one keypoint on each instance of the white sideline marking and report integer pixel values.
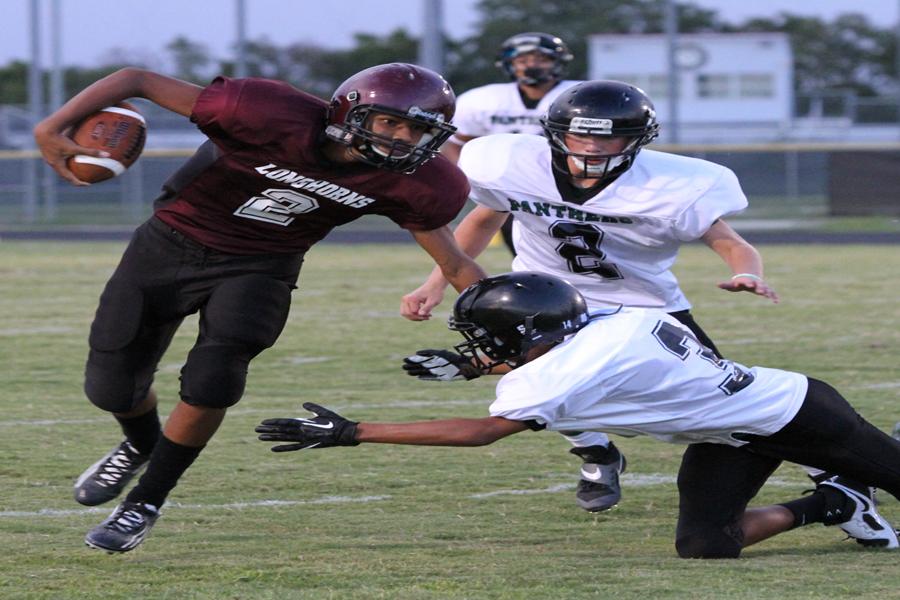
(549, 490)
(747, 341)
(50, 512)
(638, 480)
(887, 385)
(257, 411)
(645, 480)
(306, 360)
(45, 422)
(35, 330)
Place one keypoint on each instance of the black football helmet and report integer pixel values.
(546, 44)
(406, 91)
(602, 108)
(503, 317)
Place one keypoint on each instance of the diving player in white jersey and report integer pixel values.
(536, 64)
(592, 208)
(642, 372)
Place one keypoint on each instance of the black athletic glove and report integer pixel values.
(324, 430)
(439, 365)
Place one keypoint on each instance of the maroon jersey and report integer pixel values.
(268, 189)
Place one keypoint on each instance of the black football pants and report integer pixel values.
(717, 481)
(163, 276)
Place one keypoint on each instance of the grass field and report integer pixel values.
(404, 522)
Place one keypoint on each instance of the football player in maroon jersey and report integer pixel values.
(227, 240)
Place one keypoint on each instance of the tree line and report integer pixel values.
(848, 53)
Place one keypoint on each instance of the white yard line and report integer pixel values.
(50, 512)
(258, 411)
(35, 331)
(635, 480)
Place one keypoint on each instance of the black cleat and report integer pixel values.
(106, 478)
(124, 529)
(599, 488)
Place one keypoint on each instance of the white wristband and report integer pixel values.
(750, 275)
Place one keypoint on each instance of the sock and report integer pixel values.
(808, 509)
(167, 464)
(142, 431)
(583, 439)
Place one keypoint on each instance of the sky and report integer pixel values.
(93, 30)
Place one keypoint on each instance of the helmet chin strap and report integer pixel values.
(598, 169)
(388, 155)
(536, 76)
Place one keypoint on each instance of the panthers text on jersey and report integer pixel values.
(498, 108)
(268, 188)
(618, 246)
(641, 372)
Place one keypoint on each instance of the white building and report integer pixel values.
(730, 80)
(733, 88)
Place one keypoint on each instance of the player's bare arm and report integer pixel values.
(454, 145)
(743, 259)
(443, 432)
(472, 235)
(454, 264)
(325, 428)
(168, 92)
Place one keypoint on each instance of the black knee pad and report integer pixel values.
(112, 389)
(243, 317)
(726, 542)
(110, 379)
(214, 375)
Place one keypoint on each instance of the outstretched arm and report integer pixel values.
(326, 428)
(443, 432)
(174, 94)
(472, 235)
(743, 259)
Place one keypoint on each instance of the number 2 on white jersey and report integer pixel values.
(580, 248)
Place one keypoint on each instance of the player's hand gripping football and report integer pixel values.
(439, 365)
(324, 430)
(57, 148)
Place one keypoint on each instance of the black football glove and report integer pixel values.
(326, 429)
(440, 365)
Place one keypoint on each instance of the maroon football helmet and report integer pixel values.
(406, 91)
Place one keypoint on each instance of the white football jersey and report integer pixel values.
(498, 108)
(640, 372)
(618, 246)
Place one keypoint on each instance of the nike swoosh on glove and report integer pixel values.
(440, 365)
(324, 430)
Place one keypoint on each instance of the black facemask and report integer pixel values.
(536, 75)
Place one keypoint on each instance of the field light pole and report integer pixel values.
(671, 27)
(431, 45)
(240, 63)
(897, 64)
(35, 109)
(56, 100)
